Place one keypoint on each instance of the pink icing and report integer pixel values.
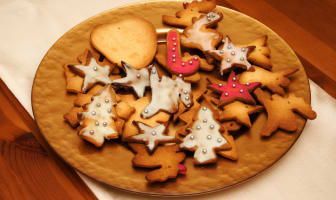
(182, 169)
(233, 90)
(174, 61)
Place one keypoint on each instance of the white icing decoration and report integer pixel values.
(101, 74)
(136, 79)
(239, 57)
(195, 35)
(166, 93)
(152, 135)
(204, 139)
(102, 116)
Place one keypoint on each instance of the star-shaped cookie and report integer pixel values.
(92, 73)
(136, 79)
(239, 112)
(280, 111)
(274, 81)
(152, 136)
(231, 55)
(233, 90)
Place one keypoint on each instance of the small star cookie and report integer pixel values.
(231, 55)
(152, 136)
(274, 81)
(205, 137)
(280, 111)
(233, 90)
(137, 79)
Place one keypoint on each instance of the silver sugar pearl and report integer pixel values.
(188, 106)
(229, 46)
(106, 100)
(153, 133)
(91, 132)
(226, 94)
(174, 56)
(93, 113)
(219, 139)
(233, 53)
(109, 110)
(190, 62)
(180, 75)
(98, 104)
(182, 63)
(241, 90)
(138, 75)
(247, 84)
(221, 51)
(185, 92)
(95, 68)
(153, 71)
(173, 49)
(187, 98)
(204, 108)
(192, 137)
(208, 15)
(243, 49)
(233, 85)
(174, 43)
(204, 151)
(234, 78)
(209, 137)
(198, 127)
(174, 38)
(242, 59)
(104, 123)
(195, 58)
(205, 120)
(220, 85)
(212, 126)
(228, 60)
(145, 111)
(174, 60)
(97, 123)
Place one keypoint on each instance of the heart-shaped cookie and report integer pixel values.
(132, 40)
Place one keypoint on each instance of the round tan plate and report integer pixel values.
(112, 163)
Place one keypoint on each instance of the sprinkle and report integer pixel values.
(97, 123)
(98, 104)
(186, 98)
(242, 59)
(95, 68)
(146, 111)
(138, 75)
(153, 133)
(247, 84)
(233, 85)
(233, 53)
(109, 110)
(228, 60)
(190, 62)
(234, 78)
(93, 112)
(174, 43)
(185, 92)
(212, 126)
(219, 140)
(243, 49)
(204, 151)
(192, 137)
(106, 100)
(205, 120)
(226, 94)
(104, 123)
(241, 90)
(204, 108)
(180, 75)
(174, 56)
(198, 127)
(174, 60)
(220, 85)
(91, 132)
(183, 64)
(173, 49)
(174, 38)
(209, 137)
(229, 47)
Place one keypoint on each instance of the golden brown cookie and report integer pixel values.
(280, 111)
(191, 10)
(72, 116)
(165, 158)
(239, 112)
(232, 153)
(132, 40)
(274, 81)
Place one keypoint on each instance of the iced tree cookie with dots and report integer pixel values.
(166, 160)
(274, 81)
(233, 90)
(231, 56)
(191, 10)
(97, 121)
(166, 94)
(200, 35)
(152, 136)
(90, 71)
(280, 111)
(205, 136)
(136, 79)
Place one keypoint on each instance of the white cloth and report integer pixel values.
(30, 27)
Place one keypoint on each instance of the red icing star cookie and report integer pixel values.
(175, 64)
(233, 90)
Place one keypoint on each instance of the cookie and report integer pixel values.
(274, 81)
(239, 112)
(132, 40)
(260, 56)
(166, 93)
(233, 90)
(124, 110)
(232, 153)
(137, 80)
(130, 129)
(205, 137)
(72, 116)
(165, 158)
(97, 121)
(174, 62)
(191, 10)
(231, 56)
(280, 111)
(152, 136)
(81, 77)
(200, 35)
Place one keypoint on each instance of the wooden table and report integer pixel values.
(30, 169)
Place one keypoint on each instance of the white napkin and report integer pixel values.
(30, 27)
